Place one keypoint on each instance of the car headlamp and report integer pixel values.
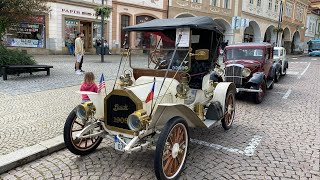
(83, 111)
(219, 71)
(137, 120)
(246, 72)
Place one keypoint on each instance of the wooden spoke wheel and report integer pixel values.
(229, 110)
(171, 151)
(78, 146)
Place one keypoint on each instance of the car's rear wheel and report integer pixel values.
(277, 75)
(229, 110)
(259, 96)
(78, 146)
(171, 150)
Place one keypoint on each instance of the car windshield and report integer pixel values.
(276, 53)
(154, 50)
(244, 53)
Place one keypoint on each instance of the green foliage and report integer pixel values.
(15, 11)
(103, 10)
(14, 57)
(278, 30)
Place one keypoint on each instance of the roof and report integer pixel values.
(250, 45)
(199, 22)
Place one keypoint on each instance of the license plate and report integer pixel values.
(118, 145)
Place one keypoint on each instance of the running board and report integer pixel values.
(209, 123)
(269, 83)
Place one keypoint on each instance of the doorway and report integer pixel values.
(86, 29)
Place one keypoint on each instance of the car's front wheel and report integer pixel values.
(171, 150)
(277, 75)
(78, 146)
(258, 97)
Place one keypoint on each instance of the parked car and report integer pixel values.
(279, 56)
(159, 96)
(251, 67)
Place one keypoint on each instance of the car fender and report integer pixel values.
(167, 111)
(256, 78)
(277, 66)
(220, 92)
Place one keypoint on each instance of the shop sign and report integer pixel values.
(70, 11)
(142, 19)
(24, 42)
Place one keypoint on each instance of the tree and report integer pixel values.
(15, 11)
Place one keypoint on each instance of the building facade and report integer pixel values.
(129, 12)
(221, 12)
(47, 34)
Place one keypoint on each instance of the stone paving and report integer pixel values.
(287, 126)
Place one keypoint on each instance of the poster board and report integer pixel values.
(185, 38)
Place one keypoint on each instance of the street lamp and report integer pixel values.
(279, 21)
(102, 35)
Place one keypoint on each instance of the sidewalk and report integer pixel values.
(35, 106)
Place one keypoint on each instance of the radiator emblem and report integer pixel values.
(118, 107)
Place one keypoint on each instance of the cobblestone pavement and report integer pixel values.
(284, 129)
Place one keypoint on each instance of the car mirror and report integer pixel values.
(201, 54)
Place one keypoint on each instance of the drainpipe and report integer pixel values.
(168, 9)
(279, 20)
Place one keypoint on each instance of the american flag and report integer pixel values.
(102, 83)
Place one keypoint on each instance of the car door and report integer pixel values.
(268, 62)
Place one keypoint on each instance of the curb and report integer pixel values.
(31, 153)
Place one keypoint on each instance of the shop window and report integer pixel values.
(125, 21)
(143, 39)
(71, 29)
(27, 34)
(96, 33)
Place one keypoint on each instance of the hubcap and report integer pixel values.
(175, 150)
(229, 110)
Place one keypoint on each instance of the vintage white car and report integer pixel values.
(279, 55)
(169, 87)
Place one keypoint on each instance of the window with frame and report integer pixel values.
(196, 1)
(259, 3)
(301, 13)
(214, 2)
(251, 1)
(288, 9)
(297, 13)
(276, 6)
(226, 4)
(270, 5)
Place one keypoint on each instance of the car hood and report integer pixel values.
(251, 64)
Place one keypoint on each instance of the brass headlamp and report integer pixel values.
(138, 120)
(125, 80)
(85, 110)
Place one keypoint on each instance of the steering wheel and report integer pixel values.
(156, 57)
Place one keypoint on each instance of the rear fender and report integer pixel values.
(220, 92)
(256, 78)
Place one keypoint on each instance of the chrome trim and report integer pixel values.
(249, 90)
(239, 65)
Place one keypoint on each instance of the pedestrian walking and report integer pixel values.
(79, 52)
(88, 85)
(70, 45)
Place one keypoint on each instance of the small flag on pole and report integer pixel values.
(151, 93)
(102, 83)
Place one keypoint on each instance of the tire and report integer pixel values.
(171, 156)
(76, 145)
(258, 97)
(277, 76)
(229, 110)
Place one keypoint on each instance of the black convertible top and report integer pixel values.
(199, 22)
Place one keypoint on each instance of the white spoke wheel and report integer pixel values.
(81, 146)
(229, 110)
(172, 148)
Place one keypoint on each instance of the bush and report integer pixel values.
(14, 57)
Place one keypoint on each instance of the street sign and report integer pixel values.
(236, 22)
(245, 23)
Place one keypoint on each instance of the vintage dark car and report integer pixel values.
(251, 67)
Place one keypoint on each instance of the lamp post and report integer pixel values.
(102, 35)
(279, 20)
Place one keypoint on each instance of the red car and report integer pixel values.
(251, 67)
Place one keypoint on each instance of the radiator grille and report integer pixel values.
(233, 74)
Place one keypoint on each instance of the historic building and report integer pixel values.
(313, 22)
(221, 11)
(46, 34)
(264, 19)
(129, 12)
